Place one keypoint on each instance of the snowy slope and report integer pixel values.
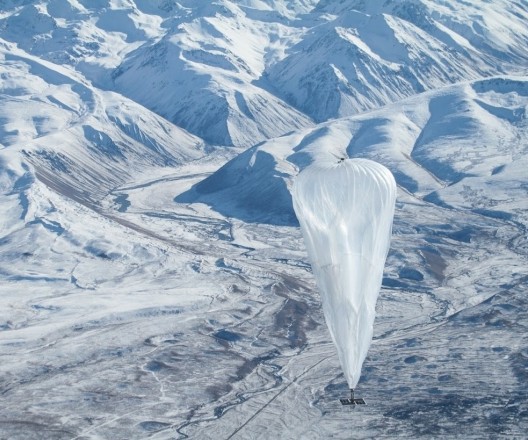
(459, 139)
(153, 281)
(368, 54)
(76, 136)
(202, 92)
(201, 74)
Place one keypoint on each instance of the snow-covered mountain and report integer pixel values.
(368, 54)
(195, 63)
(237, 73)
(153, 281)
(77, 137)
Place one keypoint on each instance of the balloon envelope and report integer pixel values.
(345, 210)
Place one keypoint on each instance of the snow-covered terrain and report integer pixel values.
(153, 280)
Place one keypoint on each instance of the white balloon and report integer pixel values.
(345, 210)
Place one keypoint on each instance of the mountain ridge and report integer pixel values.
(243, 60)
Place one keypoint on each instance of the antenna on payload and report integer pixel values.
(339, 158)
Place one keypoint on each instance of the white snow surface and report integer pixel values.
(345, 209)
(153, 277)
